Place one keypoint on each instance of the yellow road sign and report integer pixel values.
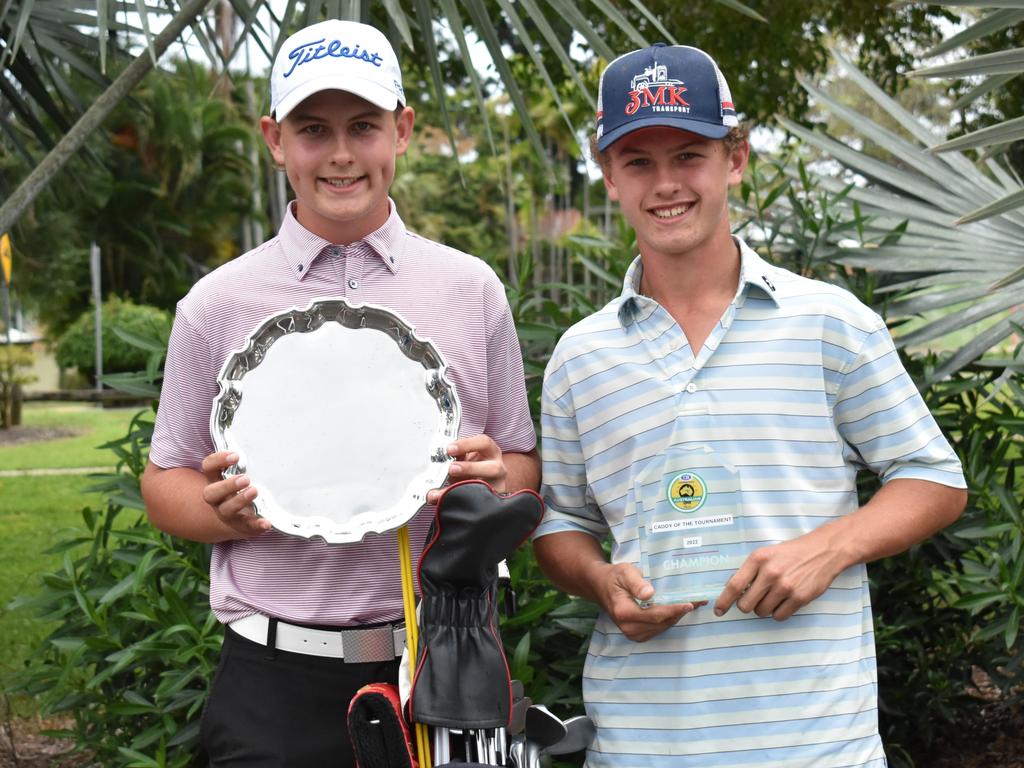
(5, 257)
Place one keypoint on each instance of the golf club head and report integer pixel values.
(542, 727)
(517, 716)
(579, 733)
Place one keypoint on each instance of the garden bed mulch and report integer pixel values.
(997, 741)
(24, 434)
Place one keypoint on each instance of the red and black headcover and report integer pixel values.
(462, 676)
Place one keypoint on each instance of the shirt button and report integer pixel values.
(334, 251)
(353, 284)
(691, 387)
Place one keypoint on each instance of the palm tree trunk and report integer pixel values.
(93, 117)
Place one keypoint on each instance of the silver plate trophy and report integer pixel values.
(340, 415)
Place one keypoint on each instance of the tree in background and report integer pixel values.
(163, 192)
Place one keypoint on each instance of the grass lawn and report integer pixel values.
(87, 425)
(34, 511)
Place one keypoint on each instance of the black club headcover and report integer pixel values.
(462, 677)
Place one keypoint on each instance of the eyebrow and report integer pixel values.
(628, 150)
(320, 118)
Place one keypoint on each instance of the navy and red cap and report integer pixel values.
(678, 86)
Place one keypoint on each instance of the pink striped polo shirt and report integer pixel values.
(452, 298)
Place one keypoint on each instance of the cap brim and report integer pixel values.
(364, 89)
(708, 130)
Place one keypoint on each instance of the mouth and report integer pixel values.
(341, 182)
(670, 211)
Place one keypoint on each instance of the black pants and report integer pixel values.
(288, 711)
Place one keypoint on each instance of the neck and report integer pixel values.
(342, 232)
(693, 279)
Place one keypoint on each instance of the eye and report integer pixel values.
(313, 129)
(638, 162)
(362, 126)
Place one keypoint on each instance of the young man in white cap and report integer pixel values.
(712, 420)
(338, 121)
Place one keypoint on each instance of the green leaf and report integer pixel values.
(1012, 627)
(999, 63)
(979, 601)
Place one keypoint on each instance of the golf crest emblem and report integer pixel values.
(687, 492)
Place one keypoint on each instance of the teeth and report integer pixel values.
(346, 182)
(668, 213)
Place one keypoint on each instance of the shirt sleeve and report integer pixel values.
(508, 412)
(569, 503)
(885, 422)
(181, 437)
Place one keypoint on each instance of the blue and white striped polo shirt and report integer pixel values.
(798, 387)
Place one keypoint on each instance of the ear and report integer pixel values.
(403, 129)
(738, 159)
(271, 130)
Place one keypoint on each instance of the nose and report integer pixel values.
(341, 152)
(666, 183)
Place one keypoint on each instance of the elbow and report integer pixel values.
(148, 485)
(957, 504)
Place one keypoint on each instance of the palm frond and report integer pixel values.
(961, 258)
(38, 31)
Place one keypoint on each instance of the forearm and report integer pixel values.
(571, 560)
(175, 505)
(901, 514)
(522, 470)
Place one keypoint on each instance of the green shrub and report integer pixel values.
(76, 347)
(136, 643)
(954, 602)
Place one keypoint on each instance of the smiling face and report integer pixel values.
(673, 186)
(339, 153)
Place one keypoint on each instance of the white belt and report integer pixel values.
(355, 646)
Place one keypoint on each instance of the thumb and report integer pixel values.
(633, 582)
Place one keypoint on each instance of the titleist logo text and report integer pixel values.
(315, 50)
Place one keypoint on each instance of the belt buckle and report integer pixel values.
(376, 644)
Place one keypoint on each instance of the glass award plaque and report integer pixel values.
(341, 416)
(692, 536)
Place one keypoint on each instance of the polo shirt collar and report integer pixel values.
(301, 247)
(755, 274)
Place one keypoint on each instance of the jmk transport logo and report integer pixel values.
(687, 492)
(653, 89)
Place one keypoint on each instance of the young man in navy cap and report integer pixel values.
(308, 623)
(712, 420)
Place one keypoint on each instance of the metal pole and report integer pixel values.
(97, 298)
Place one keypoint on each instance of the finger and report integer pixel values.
(216, 493)
(634, 584)
(434, 495)
(479, 443)
(218, 462)
(735, 587)
(786, 608)
(238, 507)
(766, 606)
(759, 597)
(481, 470)
(652, 621)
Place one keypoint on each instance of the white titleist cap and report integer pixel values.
(335, 55)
